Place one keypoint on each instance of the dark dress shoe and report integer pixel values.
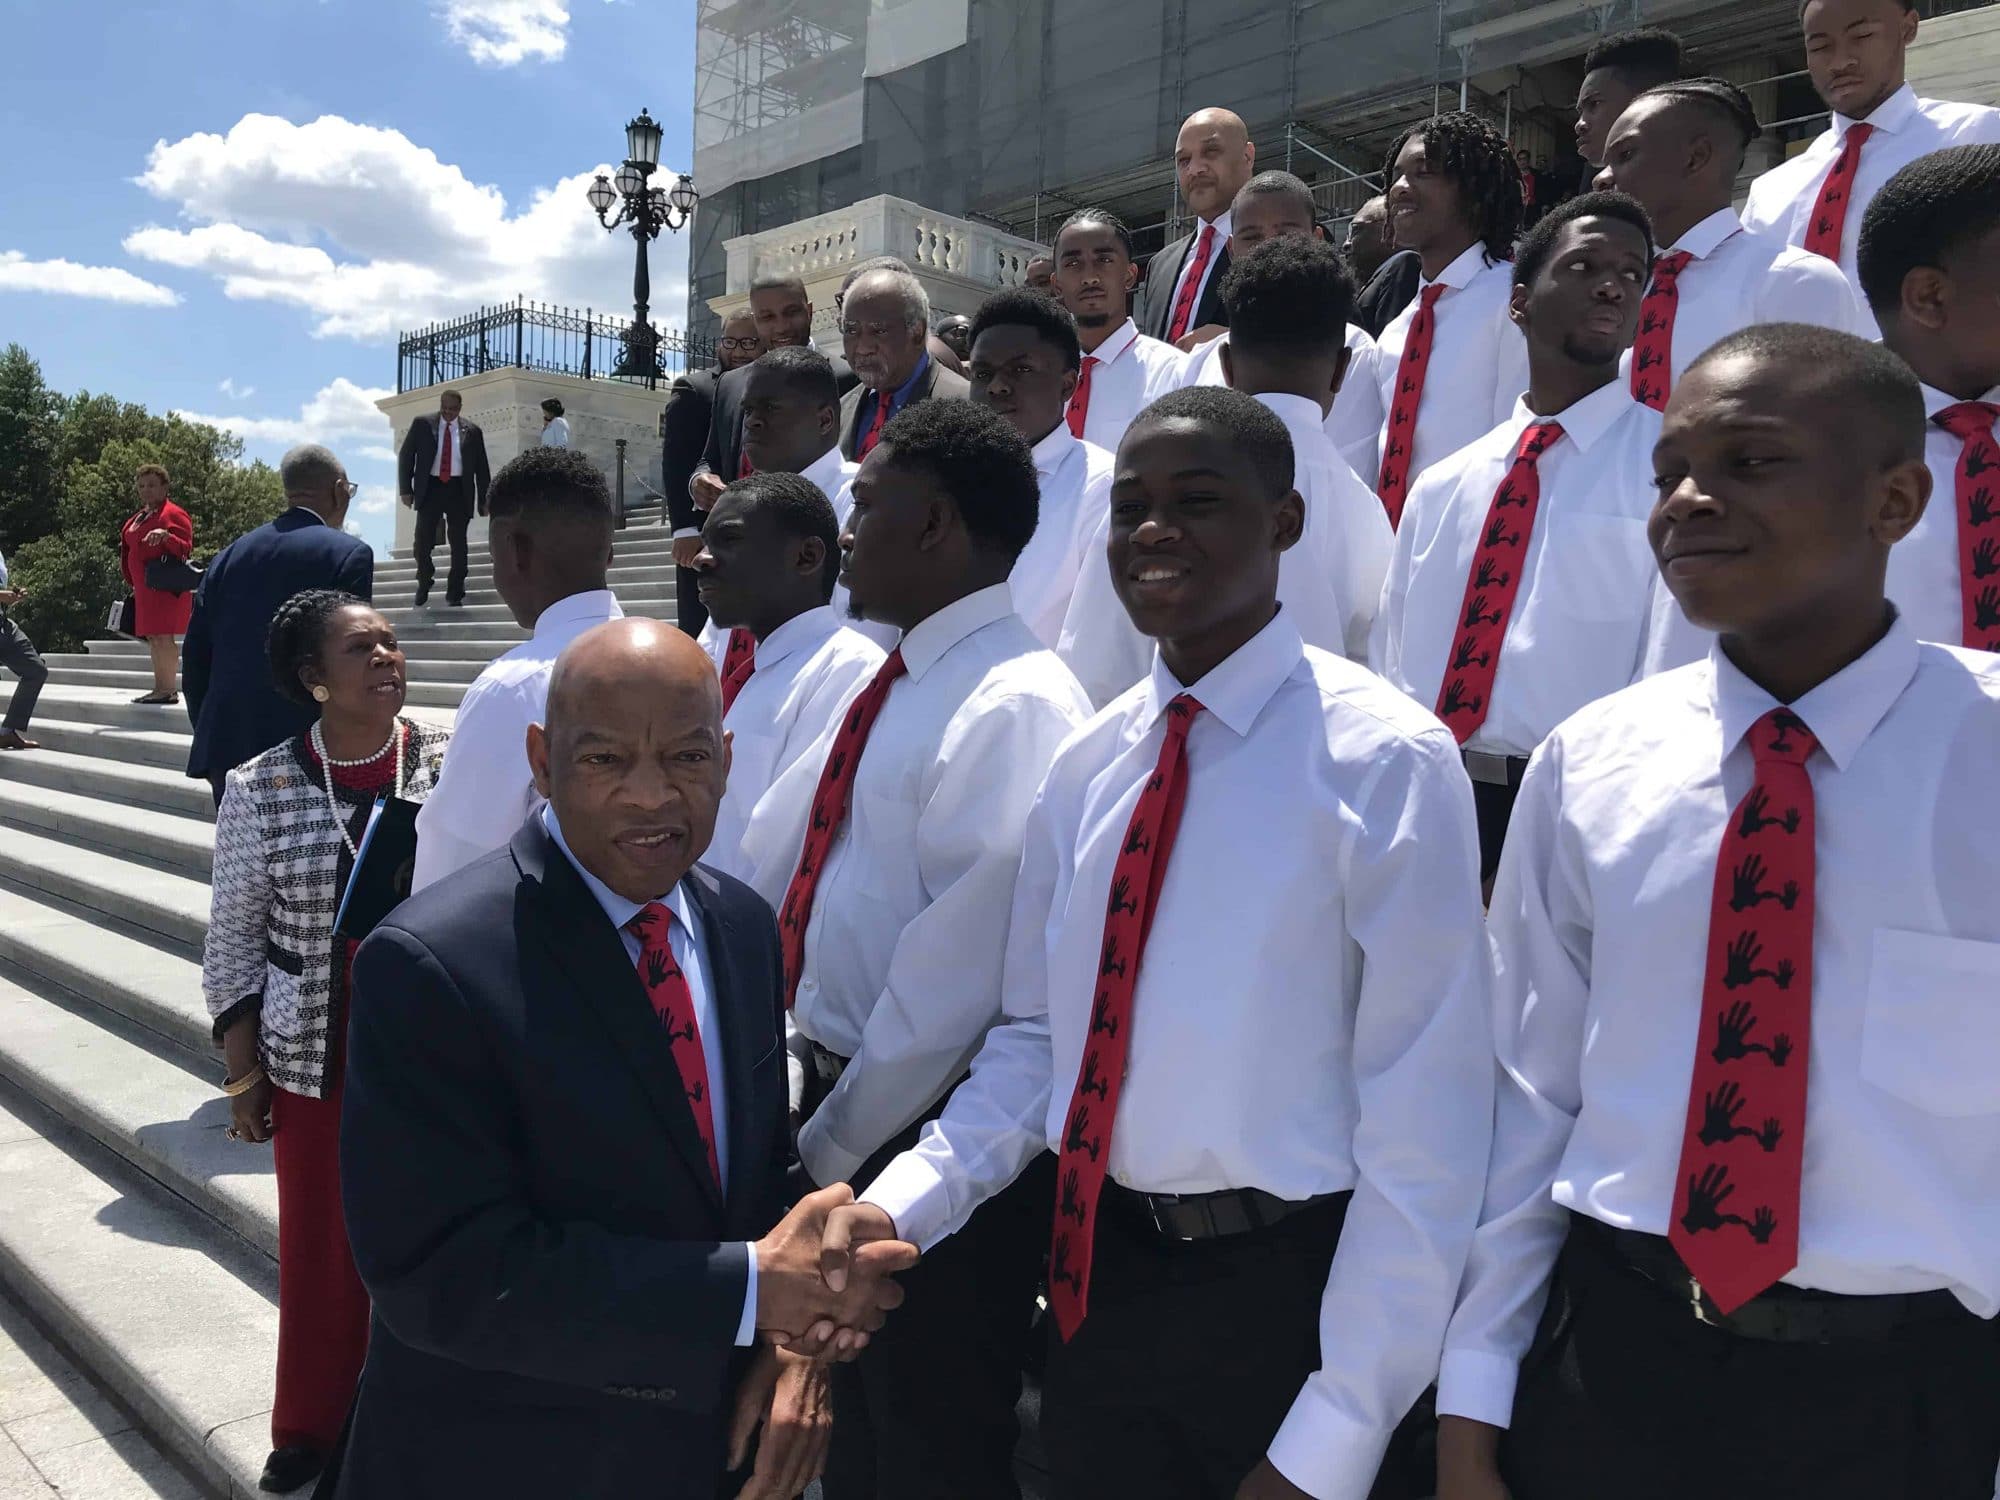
(13, 739)
(423, 595)
(456, 603)
(288, 1469)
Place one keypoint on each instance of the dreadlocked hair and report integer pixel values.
(1462, 146)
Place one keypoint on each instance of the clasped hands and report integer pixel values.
(826, 1275)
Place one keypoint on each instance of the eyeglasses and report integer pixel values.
(750, 343)
(876, 331)
(347, 489)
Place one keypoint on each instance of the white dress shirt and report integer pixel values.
(1478, 363)
(1223, 227)
(1924, 572)
(1906, 127)
(1738, 277)
(1329, 582)
(1133, 371)
(808, 670)
(451, 429)
(556, 433)
(1354, 425)
(690, 949)
(1580, 619)
(902, 953)
(1308, 1013)
(485, 791)
(1599, 925)
(1075, 481)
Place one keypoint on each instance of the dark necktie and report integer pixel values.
(1976, 497)
(1191, 283)
(874, 433)
(1079, 402)
(1399, 439)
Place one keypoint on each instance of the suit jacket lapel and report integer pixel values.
(583, 948)
(737, 1013)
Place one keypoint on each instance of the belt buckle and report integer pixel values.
(1484, 765)
(1163, 1226)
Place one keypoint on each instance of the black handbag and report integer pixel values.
(173, 575)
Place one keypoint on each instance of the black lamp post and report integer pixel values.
(647, 210)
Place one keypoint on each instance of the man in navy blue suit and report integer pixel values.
(565, 1143)
(237, 710)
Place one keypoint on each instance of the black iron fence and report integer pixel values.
(559, 340)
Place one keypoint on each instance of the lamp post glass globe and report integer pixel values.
(601, 194)
(642, 141)
(630, 181)
(683, 196)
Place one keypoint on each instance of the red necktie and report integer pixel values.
(444, 456)
(1653, 349)
(829, 811)
(874, 434)
(744, 468)
(738, 662)
(667, 987)
(1400, 437)
(1191, 283)
(1079, 402)
(1829, 215)
(1737, 1230)
(1490, 587)
(1093, 1107)
(1978, 499)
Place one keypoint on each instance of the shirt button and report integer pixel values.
(809, 986)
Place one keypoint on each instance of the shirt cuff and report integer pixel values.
(1324, 1452)
(687, 531)
(826, 1160)
(1473, 1383)
(911, 1192)
(746, 1326)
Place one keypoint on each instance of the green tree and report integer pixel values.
(30, 415)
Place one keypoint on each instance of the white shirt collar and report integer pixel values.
(1053, 449)
(1296, 412)
(826, 471)
(1121, 339)
(616, 907)
(1224, 227)
(1936, 401)
(591, 604)
(924, 643)
(1841, 712)
(1700, 241)
(800, 633)
(1583, 422)
(1237, 688)
(1892, 114)
(1471, 261)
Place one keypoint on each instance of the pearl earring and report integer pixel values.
(320, 694)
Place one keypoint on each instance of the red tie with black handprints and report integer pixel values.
(1976, 486)
(1653, 349)
(1491, 586)
(1086, 1141)
(829, 811)
(1191, 283)
(1736, 1216)
(673, 1002)
(739, 660)
(1399, 438)
(1836, 192)
(1079, 403)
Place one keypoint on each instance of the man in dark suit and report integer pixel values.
(236, 709)
(442, 472)
(885, 319)
(1213, 158)
(565, 1142)
(683, 441)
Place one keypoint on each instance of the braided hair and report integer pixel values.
(1464, 147)
(298, 636)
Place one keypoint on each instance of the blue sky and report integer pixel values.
(229, 207)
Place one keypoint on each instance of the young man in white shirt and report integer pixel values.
(1930, 259)
(1677, 149)
(1122, 368)
(1856, 52)
(1616, 71)
(1452, 363)
(1023, 367)
(551, 543)
(1774, 864)
(889, 853)
(1270, 1140)
(1521, 585)
(770, 553)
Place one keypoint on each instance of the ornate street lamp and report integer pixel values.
(647, 210)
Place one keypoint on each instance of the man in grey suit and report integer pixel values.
(886, 320)
(19, 656)
(442, 473)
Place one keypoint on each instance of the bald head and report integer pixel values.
(1213, 158)
(632, 755)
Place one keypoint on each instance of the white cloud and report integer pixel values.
(65, 278)
(374, 502)
(234, 391)
(371, 233)
(339, 410)
(506, 32)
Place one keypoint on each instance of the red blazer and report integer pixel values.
(155, 611)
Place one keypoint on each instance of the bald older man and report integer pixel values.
(565, 1137)
(1213, 158)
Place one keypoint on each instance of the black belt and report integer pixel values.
(828, 1065)
(1488, 769)
(1780, 1314)
(1208, 1216)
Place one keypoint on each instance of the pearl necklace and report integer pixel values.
(397, 735)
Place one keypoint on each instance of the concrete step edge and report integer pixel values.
(121, 783)
(171, 906)
(184, 845)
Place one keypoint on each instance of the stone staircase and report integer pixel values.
(131, 1229)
